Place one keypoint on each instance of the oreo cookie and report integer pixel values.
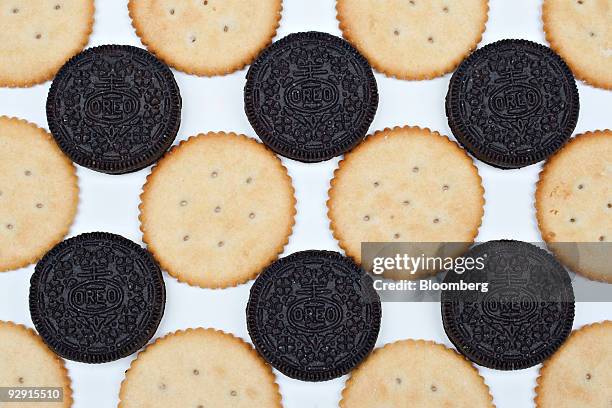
(114, 108)
(97, 297)
(310, 96)
(512, 103)
(522, 318)
(313, 315)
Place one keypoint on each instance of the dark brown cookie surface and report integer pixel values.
(525, 314)
(310, 96)
(512, 103)
(314, 315)
(97, 297)
(114, 108)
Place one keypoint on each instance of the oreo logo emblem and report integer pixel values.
(314, 315)
(515, 101)
(96, 296)
(112, 107)
(311, 95)
(510, 304)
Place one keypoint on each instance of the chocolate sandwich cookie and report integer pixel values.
(521, 318)
(313, 315)
(114, 108)
(512, 103)
(97, 297)
(310, 96)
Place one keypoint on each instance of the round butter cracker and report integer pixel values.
(35, 40)
(206, 37)
(580, 31)
(39, 193)
(405, 185)
(217, 209)
(578, 375)
(422, 374)
(25, 361)
(199, 368)
(413, 39)
(574, 204)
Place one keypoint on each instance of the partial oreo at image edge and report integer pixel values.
(313, 300)
(97, 297)
(114, 108)
(538, 109)
(336, 96)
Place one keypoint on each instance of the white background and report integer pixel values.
(110, 203)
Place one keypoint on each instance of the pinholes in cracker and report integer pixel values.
(34, 41)
(217, 209)
(211, 37)
(39, 193)
(25, 361)
(413, 39)
(579, 374)
(423, 372)
(579, 31)
(405, 185)
(199, 368)
(574, 204)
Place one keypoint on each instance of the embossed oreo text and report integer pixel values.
(315, 314)
(513, 101)
(112, 107)
(311, 95)
(96, 297)
(517, 323)
(510, 304)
